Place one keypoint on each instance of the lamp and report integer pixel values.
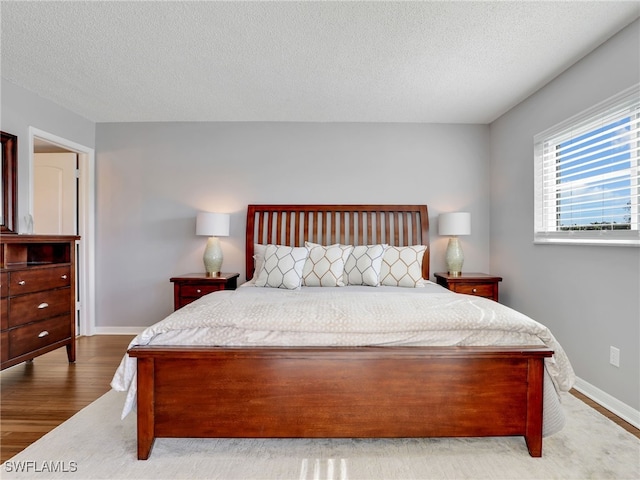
(454, 224)
(213, 225)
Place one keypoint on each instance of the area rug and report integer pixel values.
(95, 443)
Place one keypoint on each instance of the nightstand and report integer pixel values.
(479, 284)
(192, 286)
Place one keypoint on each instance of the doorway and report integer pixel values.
(67, 169)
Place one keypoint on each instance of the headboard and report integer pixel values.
(397, 225)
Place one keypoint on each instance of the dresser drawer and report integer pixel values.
(479, 289)
(37, 335)
(197, 291)
(36, 280)
(4, 347)
(4, 313)
(4, 302)
(38, 306)
(191, 293)
(4, 284)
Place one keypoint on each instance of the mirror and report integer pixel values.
(9, 186)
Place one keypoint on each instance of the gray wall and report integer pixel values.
(588, 296)
(22, 109)
(152, 178)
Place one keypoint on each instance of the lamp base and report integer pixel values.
(212, 257)
(454, 257)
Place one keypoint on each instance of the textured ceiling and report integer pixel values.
(450, 62)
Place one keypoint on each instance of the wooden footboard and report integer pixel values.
(361, 392)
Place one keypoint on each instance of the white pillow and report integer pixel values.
(402, 266)
(282, 267)
(364, 264)
(325, 265)
(258, 258)
(258, 261)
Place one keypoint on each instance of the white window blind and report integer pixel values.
(587, 176)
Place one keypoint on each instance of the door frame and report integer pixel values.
(86, 221)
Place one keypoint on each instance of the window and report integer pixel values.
(587, 172)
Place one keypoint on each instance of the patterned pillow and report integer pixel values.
(364, 264)
(282, 267)
(325, 265)
(402, 266)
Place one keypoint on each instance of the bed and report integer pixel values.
(341, 380)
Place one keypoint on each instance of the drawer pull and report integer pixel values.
(64, 277)
(43, 334)
(198, 291)
(43, 305)
(475, 290)
(22, 282)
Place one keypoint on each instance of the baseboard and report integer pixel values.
(118, 330)
(624, 411)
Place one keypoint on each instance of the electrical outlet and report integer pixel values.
(614, 356)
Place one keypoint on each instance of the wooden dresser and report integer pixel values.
(37, 302)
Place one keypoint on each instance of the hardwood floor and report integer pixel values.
(37, 397)
(611, 416)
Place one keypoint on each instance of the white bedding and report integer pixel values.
(352, 316)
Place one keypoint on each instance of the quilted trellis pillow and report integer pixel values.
(402, 266)
(325, 265)
(282, 267)
(364, 264)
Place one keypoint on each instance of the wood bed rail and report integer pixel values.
(398, 225)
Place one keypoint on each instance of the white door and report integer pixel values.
(55, 193)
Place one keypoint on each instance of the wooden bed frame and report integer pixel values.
(337, 392)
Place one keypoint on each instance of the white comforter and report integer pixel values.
(345, 316)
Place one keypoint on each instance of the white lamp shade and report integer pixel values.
(212, 224)
(458, 223)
